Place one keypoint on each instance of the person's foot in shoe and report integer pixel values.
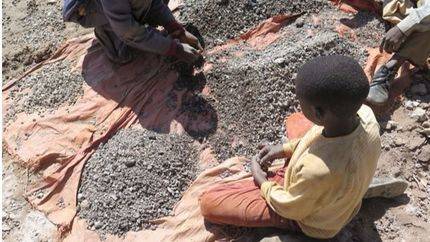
(380, 86)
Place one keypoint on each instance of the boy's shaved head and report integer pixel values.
(334, 82)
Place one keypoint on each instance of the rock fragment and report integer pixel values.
(424, 155)
(419, 114)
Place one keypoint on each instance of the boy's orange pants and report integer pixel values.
(241, 204)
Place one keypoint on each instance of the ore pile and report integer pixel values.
(46, 89)
(219, 20)
(135, 177)
(255, 92)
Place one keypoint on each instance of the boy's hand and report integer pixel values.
(187, 38)
(393, 40)
(259, 175)
(269, 153)
(187, 53)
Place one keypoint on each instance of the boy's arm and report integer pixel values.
(269, 153)
(418, 19)
(290, 147)
(300, 199)
(160, 14)
(120, 17)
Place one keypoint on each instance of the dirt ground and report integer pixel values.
(251, 100)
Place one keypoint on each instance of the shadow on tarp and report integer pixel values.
(173, 105)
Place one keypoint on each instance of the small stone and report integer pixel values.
(391, 125)
(419, 89)
(300, 23)
(5, 227)
(426, 132)
(426, 124)
(424, 155)
(222, 2)
(80, 196)
(114, 197)
(419, 114)
(415, 142)
(97, 225)
(279, 61)
(411, 104)
(85, 204)
(398, 141)
(130, 163)
(39, 195)
(294, 76)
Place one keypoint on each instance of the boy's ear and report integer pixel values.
(319, 113)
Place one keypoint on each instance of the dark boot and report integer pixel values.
(380, 87)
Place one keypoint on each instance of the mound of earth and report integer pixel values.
(46, 89)
(135, 177)
(254, 93)
(218, 20)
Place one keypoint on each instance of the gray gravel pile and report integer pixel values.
(255, 92)
(33, 30)
(137, 176)
(46, 89)
(219, 20)
(369, 28)
(43, 16)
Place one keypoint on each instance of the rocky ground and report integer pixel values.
(19, 221)
(32, 31)
(251, 91)
(136, 177)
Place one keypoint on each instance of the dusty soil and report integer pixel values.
(19, 221)
(136, 177)
(251, 91)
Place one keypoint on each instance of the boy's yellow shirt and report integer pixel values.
(326, 178)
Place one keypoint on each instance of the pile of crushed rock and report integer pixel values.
(135, 177)
(45, 90)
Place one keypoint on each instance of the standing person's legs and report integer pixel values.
(416, 49)
(240, 204)
(395, 11)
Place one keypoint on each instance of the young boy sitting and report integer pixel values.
(321, 187)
